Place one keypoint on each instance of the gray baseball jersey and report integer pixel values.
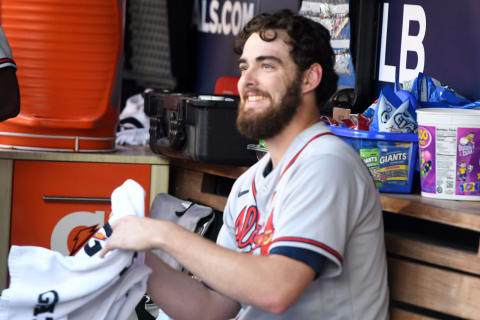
(5, 52)
(319, 201)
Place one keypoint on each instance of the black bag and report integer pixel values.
(200, 128)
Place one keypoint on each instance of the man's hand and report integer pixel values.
(130, 233)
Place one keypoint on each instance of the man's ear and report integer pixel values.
(312, 78)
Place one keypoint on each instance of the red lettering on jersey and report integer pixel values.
(246, 227)
(264, 240)
(247, 231)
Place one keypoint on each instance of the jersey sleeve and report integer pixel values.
(314, 213)
(6, 59)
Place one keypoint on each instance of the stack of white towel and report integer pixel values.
(45, 285)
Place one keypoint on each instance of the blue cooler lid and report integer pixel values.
(362, 134)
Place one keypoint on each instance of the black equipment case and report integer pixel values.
(200, 128)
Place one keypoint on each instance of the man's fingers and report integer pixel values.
(105, 250)
(103, 253)
(107, 247)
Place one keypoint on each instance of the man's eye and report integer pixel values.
(242, 68)
(267, 66)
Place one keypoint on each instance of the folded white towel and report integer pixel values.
(44, 284)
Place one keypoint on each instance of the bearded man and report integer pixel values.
(303, 234)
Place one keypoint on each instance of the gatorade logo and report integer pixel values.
(424, 137)
(84, 222)
(224, 18)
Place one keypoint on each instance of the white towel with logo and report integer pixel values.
(45, 285)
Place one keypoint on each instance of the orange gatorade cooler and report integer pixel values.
(69, 58)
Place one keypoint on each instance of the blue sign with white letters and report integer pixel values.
(439, 38)
(218, 23)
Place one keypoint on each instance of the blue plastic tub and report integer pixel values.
(390, 157)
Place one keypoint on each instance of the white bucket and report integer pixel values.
(449, 153)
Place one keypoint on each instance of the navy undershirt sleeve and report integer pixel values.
(315, 260)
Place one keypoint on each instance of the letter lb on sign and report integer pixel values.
(90, 221)
(409, 43)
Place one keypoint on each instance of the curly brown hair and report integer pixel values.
(309, 42)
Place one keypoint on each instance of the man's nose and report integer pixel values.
(248, 78)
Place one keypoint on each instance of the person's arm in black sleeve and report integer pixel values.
(9, 93)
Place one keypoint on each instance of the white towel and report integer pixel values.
(45, 285)
(133, 127)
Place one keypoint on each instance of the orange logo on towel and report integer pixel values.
(99, 236)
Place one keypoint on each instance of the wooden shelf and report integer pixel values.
(222, 170)
(463, 214)
(458, 213)
(432, 288)
(428, 272)
(122, 154)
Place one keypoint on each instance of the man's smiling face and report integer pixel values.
(269, 87)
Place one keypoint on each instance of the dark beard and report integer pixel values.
(273, 120)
